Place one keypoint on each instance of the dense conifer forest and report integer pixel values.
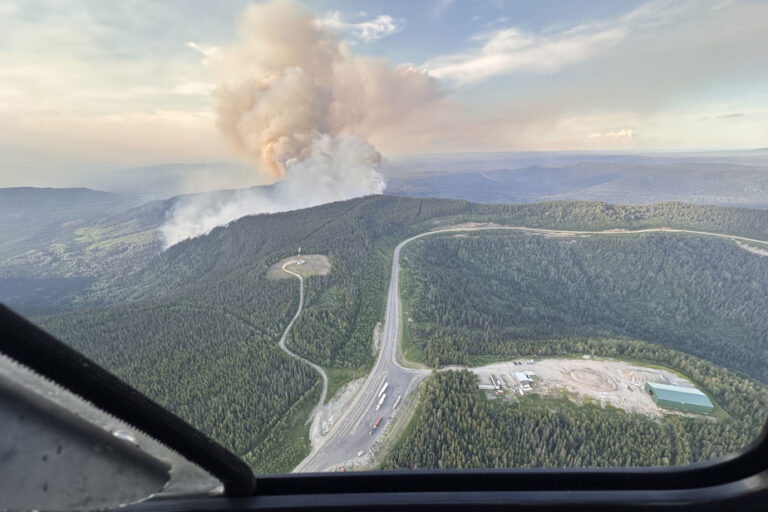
(493, 292)
(458, 427)
(500, 294)
(196, 326)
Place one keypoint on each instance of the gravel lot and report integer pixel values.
(617, 383)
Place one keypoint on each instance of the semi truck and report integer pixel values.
(397, 402)
(383, 388)
(375, 425)
(381, 401)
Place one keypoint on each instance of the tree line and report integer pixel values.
(457, 427)
(494, 292)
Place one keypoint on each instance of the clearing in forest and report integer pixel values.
(610, 382)
(313, 265)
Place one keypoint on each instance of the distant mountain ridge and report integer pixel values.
(31, 200)
(724, 184)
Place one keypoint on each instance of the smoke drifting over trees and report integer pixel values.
(298, 104)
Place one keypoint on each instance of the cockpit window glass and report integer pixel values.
(340, 237)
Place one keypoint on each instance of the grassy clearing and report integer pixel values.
(89, 235)
(96, 238)
(314, 265)
(410, 352)
(411, 355)
(338, 377)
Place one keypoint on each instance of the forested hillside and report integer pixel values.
(59, 247)
(595, 215)
(458, 427)
(215, 365)
(196, 326)
(496, 292)
(56, 261)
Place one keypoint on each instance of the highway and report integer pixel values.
(350, 434)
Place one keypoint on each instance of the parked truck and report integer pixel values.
(375, 425)
(397, 402)
(383, 388)
(381, 401)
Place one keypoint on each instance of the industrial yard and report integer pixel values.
(609, 382)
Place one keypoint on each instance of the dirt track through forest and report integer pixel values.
(285, 349)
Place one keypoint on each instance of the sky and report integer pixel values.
(89, 86)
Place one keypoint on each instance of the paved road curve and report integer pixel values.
(350, 434)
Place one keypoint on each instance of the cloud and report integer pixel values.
(667, 63)
(617, 135)
(117, 87)
(99, 68)
(379, 27)
(722, 5)
(439, 7)
(205, 51)
(7, 9)
(511, 49)
(193, 88)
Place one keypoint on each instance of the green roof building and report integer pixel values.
(679, 398)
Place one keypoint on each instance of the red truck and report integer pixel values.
(375, 425)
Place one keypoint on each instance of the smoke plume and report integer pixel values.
(298, 104)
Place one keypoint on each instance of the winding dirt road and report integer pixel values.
(317, 368)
